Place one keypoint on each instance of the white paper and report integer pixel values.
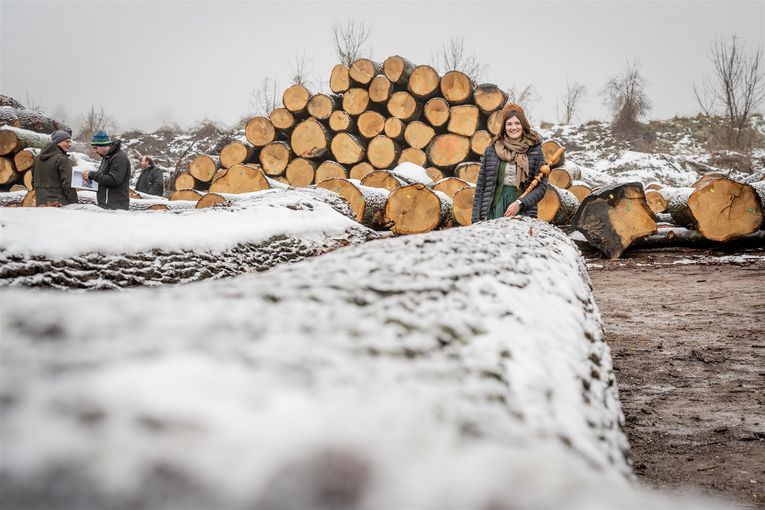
(78, 182)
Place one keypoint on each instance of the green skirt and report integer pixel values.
(508, 195)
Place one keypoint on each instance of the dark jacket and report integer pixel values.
(52, 177)
(487, 183)
(113, 178)
(151, 181)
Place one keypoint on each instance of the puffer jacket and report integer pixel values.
(52, 177)
(151, 181)
(113, 178)
(487, 183)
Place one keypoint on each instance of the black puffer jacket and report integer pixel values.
(113, 178)
(151, 181)
(487, 183)
(52, 177)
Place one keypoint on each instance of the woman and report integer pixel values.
(508, 165)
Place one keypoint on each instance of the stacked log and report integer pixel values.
(17, 154)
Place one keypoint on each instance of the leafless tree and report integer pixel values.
(571, 101)
(350, 40)
(453, 56)
(625, 96)
(524, 96)
(737, 89)
(299, 70)
(266, 98)
(33, 103)
(94, 120)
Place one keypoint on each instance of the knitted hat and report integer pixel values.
(100, 139)
(59, 136)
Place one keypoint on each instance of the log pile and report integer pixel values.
(18, 149)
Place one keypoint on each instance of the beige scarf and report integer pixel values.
(515, 152)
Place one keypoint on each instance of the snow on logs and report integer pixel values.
(359, 374)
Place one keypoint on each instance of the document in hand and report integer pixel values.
(79, 182)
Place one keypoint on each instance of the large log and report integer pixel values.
(423, 82)
(380, 89)
(436, 111)
(301, 172)
(8, 173)
(447, 150)
(259, 131)
(479, 141)
(282, 119)
(370, 124)
(12, 140)
(339, 80)
(463, 206)
(274, 158)
(362, 71)
(418, 134)
(295, 99)
(309, 139)
(203, 167)
(383, 152)
(340, 121)
(8, 117)
(35, 121)
(404, 106)
(237, 153)
(612, 217)
(557, 206)
(330, 170)
(456, 87)
(355, 101)
(366, 203)
(464, 120)
(488, 97)
(397, 69)
(412, 155)
(468, 171)
(240, 179)
(321, 106)
(13, 198)
(416, 209)
(25, 159)
(348, 149)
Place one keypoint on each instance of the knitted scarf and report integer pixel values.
(515, 152)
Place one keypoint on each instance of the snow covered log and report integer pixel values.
(128, 248)
(434, 378)
(415, 209)
(12, 198)
(367, 203)
(383, 179)
(679, 236)
(613, 216)
(557, 206)
(12, 140)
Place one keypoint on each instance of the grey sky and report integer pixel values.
(150, 62)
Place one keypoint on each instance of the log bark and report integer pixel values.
(404, 106)
(356, 101)
(449, 186)
(397, 69)
(25, 159)
(456, 87)
(370, 124)
(339, 79)
(360, 170)
(488, 97)
(436, 111)
(203, 167)
(274, 158)
(464, 120)
(423, 82)
(366, 203)
(309, 139)
(418, 134)
(723, 209)
(580, 189)
(321, 106)
(416, 209)
(240, 179)
(412, 155)
(295, 99)
(395, 129)
(612, 217)
(301, 172)
(362, 71)
(8, 173)
(468, 171)
(12, 140)
(259, 131)
(184, 181)
(558, 206)
(383, 179)
(677, 206)
(330, 170)
(479, 141)
(341, 121)
(383, 152)
(348, 149)
(282, 119)
(237, 153)
(8, 117)
(447, 150)
(463, 206)
(13, 198)
(380, 89)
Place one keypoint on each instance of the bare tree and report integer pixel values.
(350, 40)
(453, 56)
(571, 101)
(299, 70)
(625, 96)
(738, 87)
(524, 96)
(94, 120)
(266, 98)
(33, 103)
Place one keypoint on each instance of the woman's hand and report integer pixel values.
(513, 209)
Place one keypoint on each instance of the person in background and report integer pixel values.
(113, 175)
(508, 166)
(151, 180)
(52, 172)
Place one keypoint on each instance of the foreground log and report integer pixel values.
(25, 159)
(30, 199)
(371, 124)
(363, 70)
(340, 120)
(404, 106)
(12, 140)
(423, 82)
(416, 209)
(321, 106)
(612, 217)
(380, 89)
(188, 195)
(203, 167)
(348, 149)
(468, 171)
(383, 179)
(395, 129)
(418, 134)
(463, 206)
(184, 181)
(282, 119)
(356, 101)
(240, 179)
(412, 155)
(494, 122)
(366, 203)
(678, 236)
(479, 141)
(360, 170)
(560, 178)
(549, 149)
(557, 206)
(27, 179)
(656, 201)
(237, 153)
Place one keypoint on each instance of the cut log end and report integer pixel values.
(413, 209)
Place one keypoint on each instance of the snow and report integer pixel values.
(413, 172)
(76, 230)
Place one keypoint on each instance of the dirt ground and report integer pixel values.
(688, 343)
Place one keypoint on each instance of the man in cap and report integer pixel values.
(52, 172)
(113, 176)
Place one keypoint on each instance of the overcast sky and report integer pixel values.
(147, 63)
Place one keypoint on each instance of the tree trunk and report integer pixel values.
(397, 69)
(488, 97)
(355, 101)
(383, 179)
(282, 119)
(240, 179)
(423, 82)
(612, 217)
(237, 153)
(479, 141)
(370, 124)
(709, 176)
(330, 170)
(436, 111)
(366, 203)
(25, 159)
(380, 89)
(723, 209)
(418, 134)
(558, 206)
(416, 209)
(274, 158)
(341, 121)
(456, 87)
(361, 170)
(339, 79)
(12, 140)
(309, 139)
(259, 131)
(321, 106)
(348, 149)
(395, 129)
(463, 206)
(8, 173)
(677, 205)
(301, 172)
(412, 155)
(184, 181)
(449, 186)
(445, 151)
(580, 189)
(404, 106)
(203, 167)
(468, 171)
(464, 120)
(677, 236)
(295, 99)
(363, 71)
(383, 152)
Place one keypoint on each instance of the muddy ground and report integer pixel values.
(687, 333)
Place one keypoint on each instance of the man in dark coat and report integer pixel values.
(151, 180)
(113, 176)
(52, 172)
